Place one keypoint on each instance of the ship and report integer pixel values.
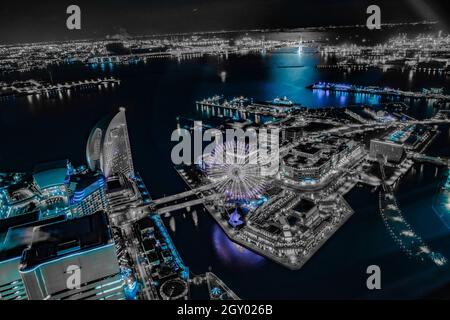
(282, 101)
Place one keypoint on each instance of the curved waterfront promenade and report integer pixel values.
(400, 230)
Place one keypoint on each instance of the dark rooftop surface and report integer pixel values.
(52, 240)
(7, 223)
(19, 237)
(84, 180)
(298, 161)
(51, 174)
(50, 166)
(114, 185)
(307, 148)
(304, 206)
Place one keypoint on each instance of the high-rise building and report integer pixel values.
(74, 260)
(108, 148)
(54, 189)
(15, 236)
(89, 195)
(53, 193)
(51, 181)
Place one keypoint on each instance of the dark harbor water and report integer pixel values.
(38, 130)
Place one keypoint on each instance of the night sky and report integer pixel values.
(26, 21)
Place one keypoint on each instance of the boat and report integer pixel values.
(282, 101)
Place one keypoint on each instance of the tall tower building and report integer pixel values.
(72, 260)
(15, 236)
(108, 148)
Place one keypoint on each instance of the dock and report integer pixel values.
(36, 88)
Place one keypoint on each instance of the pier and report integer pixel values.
(439, 161)
(246, 107)
(35, 88)
(217, 289)
(337, 87)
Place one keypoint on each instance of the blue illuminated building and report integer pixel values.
(89, 195)
(216, 291)
(54, 192)
(131, 290)
(15, 236)
(183, 270)
(86, 243)
(51, 180)
(447, 182)
(401, 135)
(53, 189)
(235, 219)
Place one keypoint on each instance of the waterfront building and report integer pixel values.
(89, 195)
(58, 250)
(309, 163)
(235, 219)
(108, 148)
(16, 195)
(51, 181)
(45, 190)
(306, 211)
(100, 60)
(53, 193)
(292, 133)
(392, 151)
(53, 189)
(300, 168)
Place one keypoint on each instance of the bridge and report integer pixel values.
(183, 195)
(186, 204)
(430, 121)
(155, 205)
(429, 159)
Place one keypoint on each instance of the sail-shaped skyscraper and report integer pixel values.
(108, 148)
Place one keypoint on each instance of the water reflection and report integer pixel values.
(231, 253)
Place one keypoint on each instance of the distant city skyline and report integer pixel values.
(34, 22)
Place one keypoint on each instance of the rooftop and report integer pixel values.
(18, 237)
(85, 180)
(15, 221)
(51, 174)
(308, 148)
(63, 238)
(304, 206)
